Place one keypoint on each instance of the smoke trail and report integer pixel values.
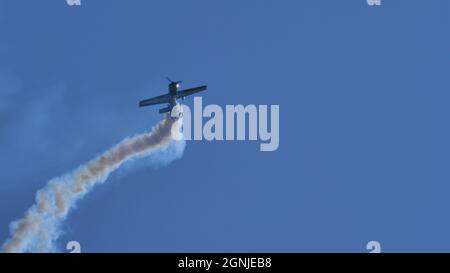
(38, 230)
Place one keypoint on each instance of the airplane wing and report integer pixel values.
(190, 91)
(155, 100)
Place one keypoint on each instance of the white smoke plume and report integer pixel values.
(38, 230)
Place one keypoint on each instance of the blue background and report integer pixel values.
(364, 138)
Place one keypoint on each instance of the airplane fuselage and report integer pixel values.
(173, 88)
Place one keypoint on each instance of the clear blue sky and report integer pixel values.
(364, 138)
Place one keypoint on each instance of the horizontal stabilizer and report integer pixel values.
(165, 110)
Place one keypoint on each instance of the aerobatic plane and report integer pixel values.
(171, 97)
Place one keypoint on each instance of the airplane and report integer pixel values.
(171, 97)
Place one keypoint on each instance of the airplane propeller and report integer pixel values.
(175, 82)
